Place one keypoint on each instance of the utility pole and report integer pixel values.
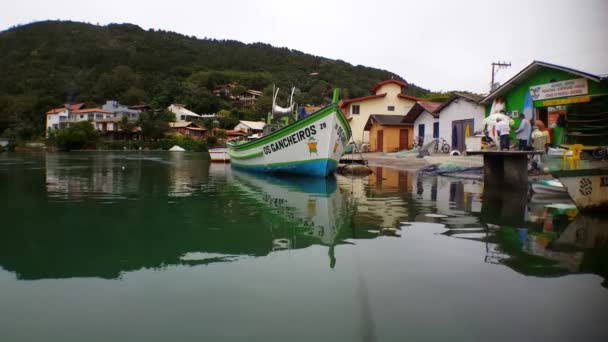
(497, 65)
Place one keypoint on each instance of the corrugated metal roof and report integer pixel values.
(253, 124)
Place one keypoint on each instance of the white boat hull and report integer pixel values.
(548, 187)
(219, 155)
(588, 188)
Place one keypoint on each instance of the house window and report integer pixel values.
(356, 109)
(391, 108)
(435, 129)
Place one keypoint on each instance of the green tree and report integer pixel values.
(154, 125)
(77, 136)
(126, 125)
(238, 90)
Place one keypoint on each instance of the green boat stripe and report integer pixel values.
(295, 127)
(288, 163)
(245, 156)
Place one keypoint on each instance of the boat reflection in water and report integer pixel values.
(300, 211)
(540, 236)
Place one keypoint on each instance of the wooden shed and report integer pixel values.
(389, 133)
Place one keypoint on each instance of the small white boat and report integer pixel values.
(547, 186)
(219, 155)
(176, 148)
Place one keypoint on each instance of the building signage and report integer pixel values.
(559, 89)
(560, 102)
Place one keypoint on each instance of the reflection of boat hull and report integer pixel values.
(314, 203)
(219, 155)
(547, 187)
(550, 198)
(311, 146)
(588, 188)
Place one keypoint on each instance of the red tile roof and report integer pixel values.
(409, 97)
(421, 106)
(75, 106)
(380, 84)
(429, 106)
(55, 111)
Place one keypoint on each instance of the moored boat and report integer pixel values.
(547, 186)
(588, 188)
(219, 154)
(311, 146)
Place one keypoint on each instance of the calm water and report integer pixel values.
(166, 247)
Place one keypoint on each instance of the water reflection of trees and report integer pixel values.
(95, 218)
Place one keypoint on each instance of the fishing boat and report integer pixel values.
(547, 186)
(588, 188)
(219, 154)
(311, 146)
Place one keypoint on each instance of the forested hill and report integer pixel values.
(46, 64)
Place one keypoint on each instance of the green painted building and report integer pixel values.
(578, 97)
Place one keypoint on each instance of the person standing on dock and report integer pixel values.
(504, 131)
(523, 132)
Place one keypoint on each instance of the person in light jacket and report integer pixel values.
(502, 126)
(523, 132)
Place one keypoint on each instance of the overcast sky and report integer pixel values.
(439, 45)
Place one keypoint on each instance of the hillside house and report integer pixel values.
(250, 127)
(388, 99)
(60, 118)
(189, 129)
(121, 111)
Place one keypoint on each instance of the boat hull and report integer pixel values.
(548, 187)
(219, 155)
(311, 146)
(588, 188)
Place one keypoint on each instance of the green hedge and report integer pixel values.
(185, 142)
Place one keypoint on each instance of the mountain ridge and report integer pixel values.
(48, 63)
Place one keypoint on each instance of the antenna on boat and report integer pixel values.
(336, 96)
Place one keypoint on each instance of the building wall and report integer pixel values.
(427, 120)
(390, 138)
(377, 106)
(242, 128)
(55, 119)
(460, 109)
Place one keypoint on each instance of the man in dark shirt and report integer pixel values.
(487, 141)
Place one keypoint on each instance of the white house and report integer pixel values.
(102, 120)
(57, 118)
(424, 119)
(182, 114)
(388, 99)
(452, 120)
(250, 127)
